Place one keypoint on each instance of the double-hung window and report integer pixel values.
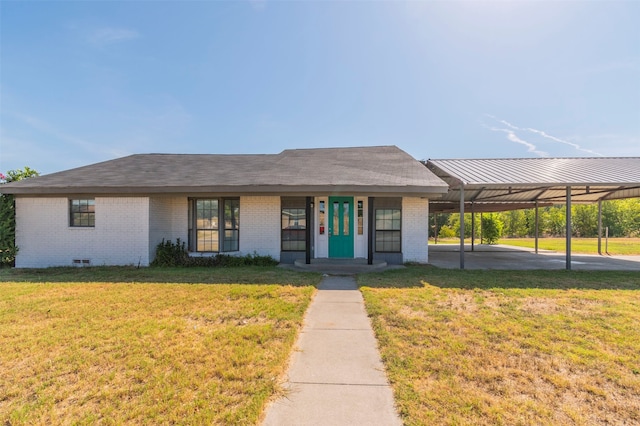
(82, 213)
(214, 224)
(388, 224)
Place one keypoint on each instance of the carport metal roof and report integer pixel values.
(482, 185)
(517, 183)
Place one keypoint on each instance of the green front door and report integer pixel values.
(341, 227)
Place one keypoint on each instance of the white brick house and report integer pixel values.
(368, 202)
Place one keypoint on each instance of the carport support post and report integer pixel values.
(568, 230)
(461, 226)
(473, 228)
(536, 227)
(600, 227)
(435, 227)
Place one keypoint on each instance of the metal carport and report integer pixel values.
(501, 184)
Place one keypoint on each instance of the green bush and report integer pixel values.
(491, 228)
(8, 248)
(176, 254)
(170, 254)
(447, 232)
(8, 255)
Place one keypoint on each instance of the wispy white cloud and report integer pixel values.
(511, 135)
(555, 139)
(545, 135)
(110, 35)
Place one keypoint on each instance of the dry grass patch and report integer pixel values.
(509, 347)
(144, 353)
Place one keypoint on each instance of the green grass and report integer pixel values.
(616, 246)
(202, 275)
(509, 347)
(152, 346)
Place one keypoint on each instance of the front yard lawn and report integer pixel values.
(509, 347)
(112, 345)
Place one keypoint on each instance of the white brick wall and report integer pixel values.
(260, 225)
(167, 220)
(122, 225)
(44, 237)
(415, 229)
(129, 228)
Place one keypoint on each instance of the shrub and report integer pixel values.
(260, 260)
(176, 254)
(170, 254)
(8, 255)
(447, 232)
(8, 248)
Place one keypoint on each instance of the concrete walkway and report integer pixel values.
(520, 258)
(340, 266)
(336, 376)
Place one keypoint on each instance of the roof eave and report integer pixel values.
(477, 185)
(391, 190)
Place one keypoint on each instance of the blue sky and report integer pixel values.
(87, 81)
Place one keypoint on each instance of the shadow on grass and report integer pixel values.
(195, 275)
(420, 275)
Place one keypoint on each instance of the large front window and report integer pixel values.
(206, 232)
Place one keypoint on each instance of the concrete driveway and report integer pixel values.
(509, 257)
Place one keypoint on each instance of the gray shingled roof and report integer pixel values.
(372, 170)
(510, 183)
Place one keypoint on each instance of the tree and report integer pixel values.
(445, 231)
(584, 220)
(441, 219)
(491, 228)
(515, 223)
(530, 222)
(453, 224)
(8, 248)
(629, 216)
(554, 221)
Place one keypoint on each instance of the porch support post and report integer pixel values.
(600, 227)
(370, 221)
(536, 227)
(461, 226)
(568, 230)
(308, 221)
